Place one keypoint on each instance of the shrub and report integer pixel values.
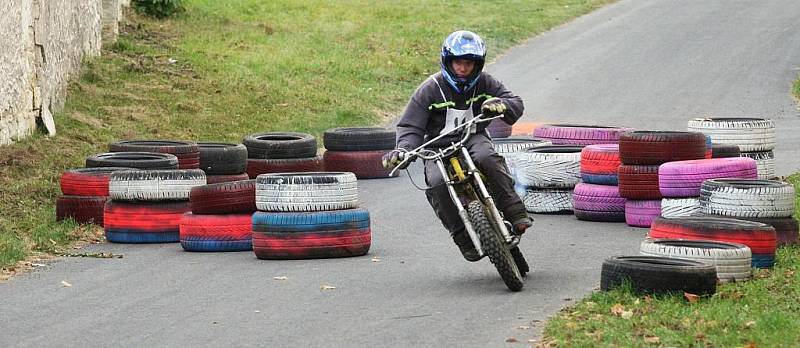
(158, 8)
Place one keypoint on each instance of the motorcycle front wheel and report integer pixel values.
(494, 246)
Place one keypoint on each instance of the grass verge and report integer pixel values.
(762, 312)
(796, 89)
(225, 69)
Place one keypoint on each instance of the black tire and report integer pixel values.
(137, 160)
(280, 145)
(359, 139)
(724, 150)
(519, 259)
(658, 147)
(223, 158)
(659, 275)
(83, 209)
(188, 152)
(236, 197)
(495, 247)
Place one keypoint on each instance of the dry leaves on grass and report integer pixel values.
(691, 297)
(617, 309)
(652, 339)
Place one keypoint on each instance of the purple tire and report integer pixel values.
(684, 178)
(598, 203)
(499, 129)
(579, 134)
(641, 213)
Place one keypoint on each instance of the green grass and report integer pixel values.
(796, 89)
(763, 312)
(225, 69)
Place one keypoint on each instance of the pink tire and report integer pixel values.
(641, 213)
(579, 134)
(598, 203)
(684, 178)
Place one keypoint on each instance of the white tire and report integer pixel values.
(556, 166)
(154, 185)
(311, 191)
(547, 200)
(732, 260)
(680, 207)
(747, 198)
(765, 162)
(750, 134)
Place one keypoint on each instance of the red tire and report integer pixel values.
(761, 238)
(600, 159)
(648, 147)
(143, 222)
(579, 134)
(787, 230)
(216, 179)
(288, 165)
(231, 232)
(364, 164)
(83, 209)
(236, 197)
(638, 182)
(87, 181)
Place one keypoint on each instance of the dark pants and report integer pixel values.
(498, 180)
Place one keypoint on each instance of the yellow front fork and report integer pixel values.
(458, 171)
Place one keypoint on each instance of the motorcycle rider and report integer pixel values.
(446, 99)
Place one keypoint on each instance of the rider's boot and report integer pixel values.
(521, 222)
(465, 246)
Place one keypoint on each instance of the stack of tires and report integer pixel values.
(511, 147)
(281, 152)
(641, 154)
(547, 175)
(223, 162)
(358, 150)
(146, 206)
(309, 215)
(597, 197)
(766, 201)
(579, 134)
(188, 153)
(221, 217)
(731, 260)
(759, 237)
(84, 194)
(679, 182)
(755, 138)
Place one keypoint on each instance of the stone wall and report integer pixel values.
(43, 43)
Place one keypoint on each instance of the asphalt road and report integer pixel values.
(645, 64)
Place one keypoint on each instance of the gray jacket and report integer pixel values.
(425, 113)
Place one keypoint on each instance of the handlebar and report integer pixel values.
(422, 152)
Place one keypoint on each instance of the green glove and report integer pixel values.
(493, 107)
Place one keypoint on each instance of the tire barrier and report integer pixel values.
(87, 181)
(232, 232)
(638, 182)
(143, 222)
(280, 145)
(765, 161)
(709, 146)
(732, 260)
(256, 167)
(188, 153)
(303, 235)
(658, 147)
(364, 164)
(760, 238)
(82, 209)
(754, 198)
(658, 275)
(547, 200)
(786, 229)
(600, 164)
(641, 213)
(137, 160)
(579, 134)
(750, 134)
(598, 203)
(359, 139)
(314, 191)
(556, 166)
(237, 197)
(222, 158)
(680, 207)
(154, 185)
(724, 151)
(684, 178)
(216, 179)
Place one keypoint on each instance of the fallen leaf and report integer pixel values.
(750, 324)
(652, 339)
(626, 314)
(691, 297)
(327, 287)
(511, 340)
(280, 278)
(531, 340)
(258, 311)
(523, 327)
(750, 345)
(65, 284)
(375, 259)
(617, 309)
(52, 241)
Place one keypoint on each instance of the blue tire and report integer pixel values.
(600, 179)
(134, 237)
(217, 245)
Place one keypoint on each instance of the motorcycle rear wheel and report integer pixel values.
(495, 247)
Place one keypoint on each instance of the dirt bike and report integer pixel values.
(484, 223)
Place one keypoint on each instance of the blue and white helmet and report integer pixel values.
(462, 44)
